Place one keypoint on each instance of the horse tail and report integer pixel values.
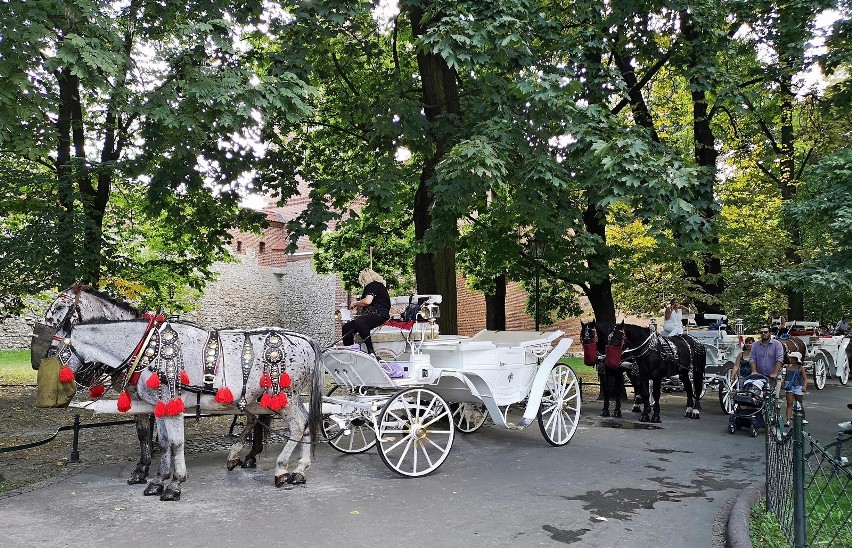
(315, 405)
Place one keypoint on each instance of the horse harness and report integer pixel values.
(665, 347)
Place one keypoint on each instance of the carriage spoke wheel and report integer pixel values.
(726, 390)
(361, 436)
(416, 432)
(844, 373)
(468, 417)
(821, 363)
(559, 412)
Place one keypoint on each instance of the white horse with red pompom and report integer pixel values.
(180, 365)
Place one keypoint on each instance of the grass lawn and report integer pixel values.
(15, 367)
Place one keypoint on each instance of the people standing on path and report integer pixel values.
(795, 384)
(767, 357)
(375, 304)
(742, 366)
(673, 324)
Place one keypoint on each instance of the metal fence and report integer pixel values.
(807, 486)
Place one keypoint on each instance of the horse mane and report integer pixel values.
(636, 334)
(110, 299)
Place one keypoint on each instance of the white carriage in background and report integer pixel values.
(441, 384)
(723, 343)
(828, 355)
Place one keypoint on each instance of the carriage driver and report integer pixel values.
(767, 356)
(674, 318)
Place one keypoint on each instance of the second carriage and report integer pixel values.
(410, 401)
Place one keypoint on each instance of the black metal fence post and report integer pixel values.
(800, 538)
(75, 443)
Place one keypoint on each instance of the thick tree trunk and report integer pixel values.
(600, 292)
(65, 181)
(495, 305)
(436, 271)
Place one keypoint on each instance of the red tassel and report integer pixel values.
(265, 400)
(224, 395)
(97, 391)
(265, 381)
(123, 402)
(282, 398)
(275, 402)
(160, 409)
(66, 374)
(285, 380)
(153, 381)
(184, 378)
(175, 407)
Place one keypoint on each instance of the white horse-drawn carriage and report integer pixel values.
(827, 355)
(423, 387)
(722, 349)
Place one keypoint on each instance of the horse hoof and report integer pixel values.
(644, 418)
(170, 494)
(137, 478)
(249, 463)
(605, 413)
(656, 418)
(636, 409)
(153, 489)
(233, 464)
(296, 479)
(281, 480)
(696, 415)
(616, 414)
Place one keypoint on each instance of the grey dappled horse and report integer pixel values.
(73, 306)
(241, 361)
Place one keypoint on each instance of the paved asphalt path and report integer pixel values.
(617, 482)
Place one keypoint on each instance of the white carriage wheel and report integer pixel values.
(361, 436)
(726, 389)
(844, 373)
(468, 417)
(559, 412)
(416, 432)
(821, 364)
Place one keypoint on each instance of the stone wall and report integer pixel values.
(15, 332)
(247, 295)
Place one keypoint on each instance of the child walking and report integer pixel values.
(795, 384)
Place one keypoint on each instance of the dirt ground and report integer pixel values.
(22, 423)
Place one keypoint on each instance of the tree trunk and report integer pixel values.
(495, 305)
(435, 271)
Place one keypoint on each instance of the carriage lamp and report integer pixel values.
(430, 311)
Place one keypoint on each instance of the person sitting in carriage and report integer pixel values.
(777, 323)
(673, 324)
(375, 304)
(842, 327)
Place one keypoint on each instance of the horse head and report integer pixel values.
(590, 342)
(615, 343)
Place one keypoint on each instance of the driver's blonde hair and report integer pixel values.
(369, 275)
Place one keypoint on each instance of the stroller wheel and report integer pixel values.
(731, 428)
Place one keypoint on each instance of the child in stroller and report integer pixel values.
(748, 405)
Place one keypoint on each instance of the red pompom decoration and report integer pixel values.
(275, 403)
(160, 409)
(66, 374)
(175, 407)
(123, 402)
(282, 399)
(224, 395)
(97, 391)
(184, 378)
(153, 381)
(265, 400)
(285, 380)
(265, 381)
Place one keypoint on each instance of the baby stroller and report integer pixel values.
(748, 405)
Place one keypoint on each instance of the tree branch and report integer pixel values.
(342, 74)
(645, 79)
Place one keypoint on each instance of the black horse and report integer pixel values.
(658, 357)
(593, 336)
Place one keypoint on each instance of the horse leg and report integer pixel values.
(698, 387)
(234, 453)
(646, 405)
(657, 385)
(605, 392)
(176, 447)
(264, 422)
(144, 431)
(618, 388)
(637, 392)
(690, 397)
(155, 487)
(297, 422)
